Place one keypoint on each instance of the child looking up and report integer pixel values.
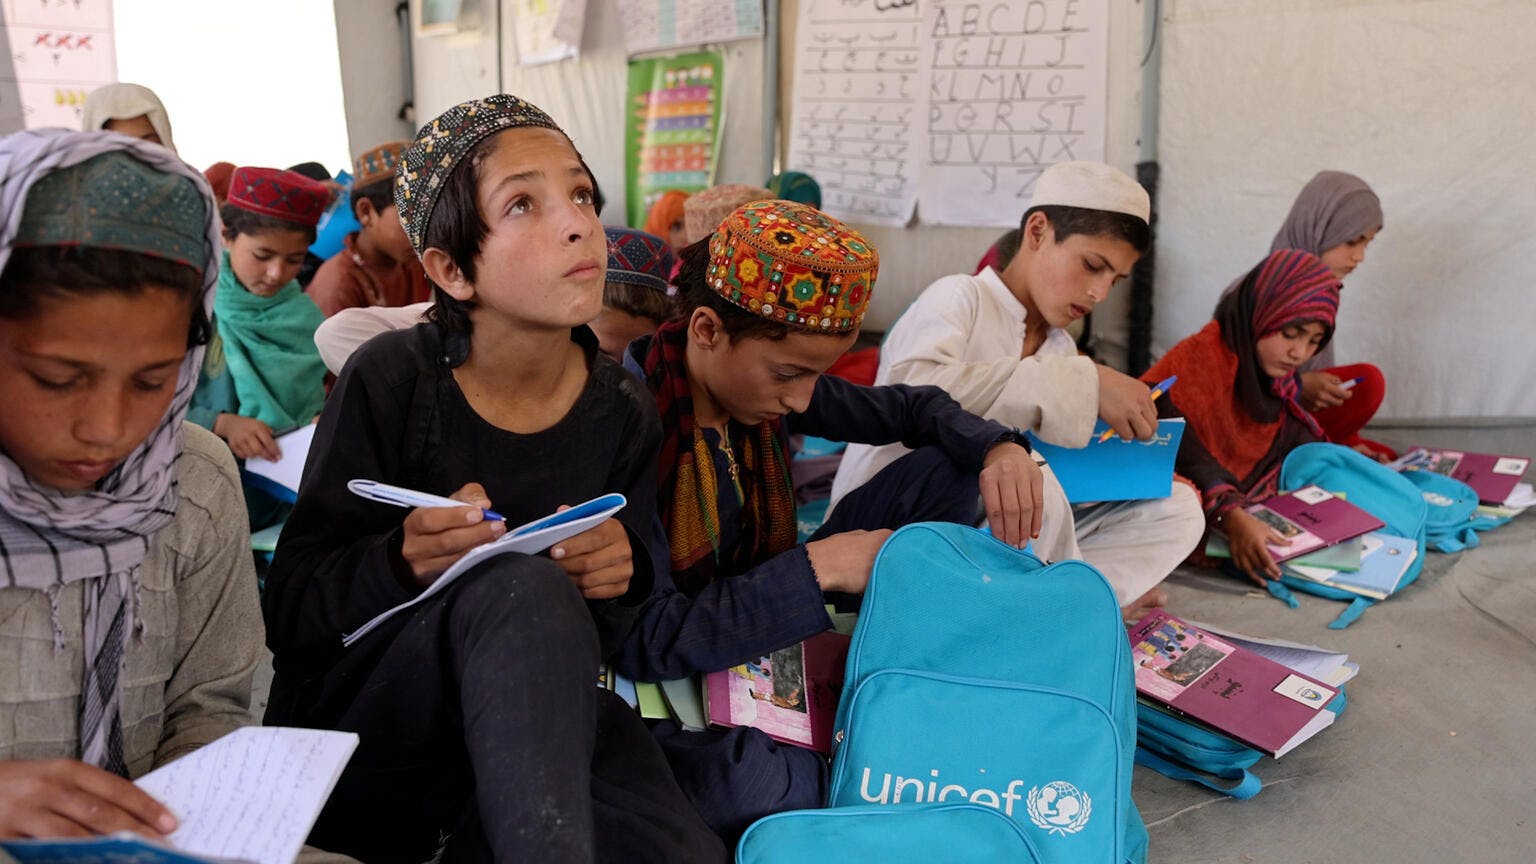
(1239, 390)
(479, 718)
(376, 266)
(129, 608)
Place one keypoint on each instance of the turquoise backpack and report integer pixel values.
(1452, 524)
(978, 674)
(1366, 483)
(921, 834)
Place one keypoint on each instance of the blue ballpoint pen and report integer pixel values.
(400, 497)
(1162, 387)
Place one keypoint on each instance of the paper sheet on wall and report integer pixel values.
(59, 53)
(1011, 88)
(547, 30)
(654, 25)
(858, 107)
(672, 137)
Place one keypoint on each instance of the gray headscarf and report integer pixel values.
(125, 102)
(100, 537)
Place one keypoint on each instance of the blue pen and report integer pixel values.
(1350, 384)
(387, 494)
(1162, 387)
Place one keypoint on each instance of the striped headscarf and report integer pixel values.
(1289, 287)
(100, 537)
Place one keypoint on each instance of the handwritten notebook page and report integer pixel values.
(288, 471)
(254, 794)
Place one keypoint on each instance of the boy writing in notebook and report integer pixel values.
(997, 343)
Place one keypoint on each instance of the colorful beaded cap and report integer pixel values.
(794, 264)
(279, 194)
(426, 164)
(377, 164)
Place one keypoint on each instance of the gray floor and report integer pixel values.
(1435, 758)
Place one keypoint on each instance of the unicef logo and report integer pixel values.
(1059, 807)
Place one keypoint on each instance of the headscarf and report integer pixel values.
(1333, 208)
(124, 102)
(219, 175)
(269, 344)
(665, 213)
(796, 186)
(100, 537)
(687, 496)
(1242, 423)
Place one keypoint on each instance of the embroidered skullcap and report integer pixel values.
(794, 264)
(704, 211)
(638, 258)
(796, 186)
(279, 194)
(1293, 287)
(442, 143)
(378, 164)
(116, 201)
(1091, 186)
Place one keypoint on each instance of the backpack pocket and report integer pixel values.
(955, 833)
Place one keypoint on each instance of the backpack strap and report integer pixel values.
(1248, 784)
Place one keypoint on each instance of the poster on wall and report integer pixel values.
(440, 17)
(59, 52)
(672, 128)
(1011, 88)
(656, 25)
(857, 108)
(547, 31)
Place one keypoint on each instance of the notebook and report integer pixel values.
(1385, 561)
(529, 539)
(1344, 556)
(251, 797)
(1115, 470)
(1312, 518)
(1238, 692)
(1494, 478)
(791, 694)
(286, 472)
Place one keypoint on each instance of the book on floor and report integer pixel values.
(1495, 478)
(1344, 556)
(1115, 470)
(1312, 518)
(1382, 566)
(1238, 692)
(791, 694)
(249, 797)
(529, 539)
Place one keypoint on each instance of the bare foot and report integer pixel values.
(1155, 598)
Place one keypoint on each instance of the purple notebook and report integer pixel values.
(1312, 518)
(1231, 689)
(1492, 477)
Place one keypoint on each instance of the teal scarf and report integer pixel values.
(269, 344)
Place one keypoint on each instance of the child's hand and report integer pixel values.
(599, 560)
(1321, 390)
(248, 437)
(1126, 405)
(435, 537)
(1013, 491)
(1250, 540)
(842, 562)
(66, 798)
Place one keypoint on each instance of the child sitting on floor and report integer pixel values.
(1239, 390)
(129, 611)
(479, 718)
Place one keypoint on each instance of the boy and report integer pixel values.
(996, 342)
(376, 266)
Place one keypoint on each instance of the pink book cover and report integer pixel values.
(1312, 518)
(790, 694)
(1251, 698)
(1492, 477)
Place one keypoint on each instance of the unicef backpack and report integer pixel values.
(978, 674)
(921, 834)
(1452, 522)
(1366, 483)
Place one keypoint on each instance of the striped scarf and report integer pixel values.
(100, 537)
(688, 488)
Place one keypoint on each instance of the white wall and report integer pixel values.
(372, 73)
(1433, 102)
(244, 83)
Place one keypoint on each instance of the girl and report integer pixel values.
(129, 605)
(665, 219)
(128, 109)
(1238, 389)
(477, 710)
(1335, 217)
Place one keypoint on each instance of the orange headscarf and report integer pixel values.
(666, 211)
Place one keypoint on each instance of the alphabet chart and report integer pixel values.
(653, 25)
(60, 51)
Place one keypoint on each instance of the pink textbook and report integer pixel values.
(1492, 477)
(1235, 691)
(790, 694)
(1312, 518)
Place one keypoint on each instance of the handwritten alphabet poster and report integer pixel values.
(60, 51)
(954, 106)
(656, 25)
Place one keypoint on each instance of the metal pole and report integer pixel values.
(1138, 356)
(770, 88)
(407, 112)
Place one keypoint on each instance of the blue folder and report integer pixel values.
(1115, 470)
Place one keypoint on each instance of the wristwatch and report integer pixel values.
(1012, 436)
